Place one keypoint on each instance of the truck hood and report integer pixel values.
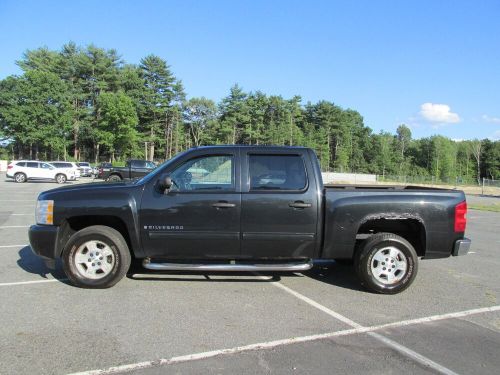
(86, 188)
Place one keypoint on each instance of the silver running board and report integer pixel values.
(296, 267)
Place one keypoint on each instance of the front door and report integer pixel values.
(200, 216)
(279, 207)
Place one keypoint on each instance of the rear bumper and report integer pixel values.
(461, 247)
(43, 240)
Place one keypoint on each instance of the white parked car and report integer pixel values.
(67, 165)
(24, 170)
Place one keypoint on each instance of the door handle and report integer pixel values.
(300, 204)
(223, 205)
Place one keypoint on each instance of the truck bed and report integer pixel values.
(423, 213)
(384, 187)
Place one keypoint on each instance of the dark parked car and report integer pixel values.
(132, 169)
(247, 208)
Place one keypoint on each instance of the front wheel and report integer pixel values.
(96, 257)
(386, 263)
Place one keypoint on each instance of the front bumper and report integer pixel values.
(461, 247)
(43, 241)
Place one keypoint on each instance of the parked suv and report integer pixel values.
(67, 165)
(24, 170)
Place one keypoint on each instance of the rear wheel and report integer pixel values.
(386, 263)
(114, 178)
(96, 257)
(20, 177)
(61, 178)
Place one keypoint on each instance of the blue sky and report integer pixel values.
(434, 65)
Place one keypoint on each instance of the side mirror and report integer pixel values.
(165, 184)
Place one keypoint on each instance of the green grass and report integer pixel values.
(483, 207)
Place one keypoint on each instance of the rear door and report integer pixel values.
(279, 205)
(33, 170)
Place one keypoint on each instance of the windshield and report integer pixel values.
(158, 170)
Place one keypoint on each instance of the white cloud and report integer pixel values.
(496, 136)
(438, 113)
(494, 120)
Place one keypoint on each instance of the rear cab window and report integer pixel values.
(277, 172)
(138, 164)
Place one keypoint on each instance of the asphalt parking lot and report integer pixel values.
(319, 322)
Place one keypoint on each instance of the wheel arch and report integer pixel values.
(76, 223)
(411, 229)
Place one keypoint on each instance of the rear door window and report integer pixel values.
(32, 164)
(277, 172)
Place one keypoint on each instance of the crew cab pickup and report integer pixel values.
(132, 169)
(246, 208)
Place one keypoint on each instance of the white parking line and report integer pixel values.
(31, 282)
(16, 214)
(427, 362)
(18, 200)
(14, 226)
(296, 340)
(318, 306)
(433, 318)
(419, 358)
(6, 246)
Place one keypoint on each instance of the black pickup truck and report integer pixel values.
(246, 208)
(132, 169)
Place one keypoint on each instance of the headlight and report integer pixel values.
(44, 213)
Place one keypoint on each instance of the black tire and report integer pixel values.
(111, 238)
(61, 178)
(364, 259)
(114, 178)
(20, 177)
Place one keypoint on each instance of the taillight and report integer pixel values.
(460, 217)
(10, 166)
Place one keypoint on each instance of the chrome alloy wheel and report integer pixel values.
(20, 177)
(94, 260)
(389, 265)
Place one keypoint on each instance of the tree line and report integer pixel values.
(86, 103)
